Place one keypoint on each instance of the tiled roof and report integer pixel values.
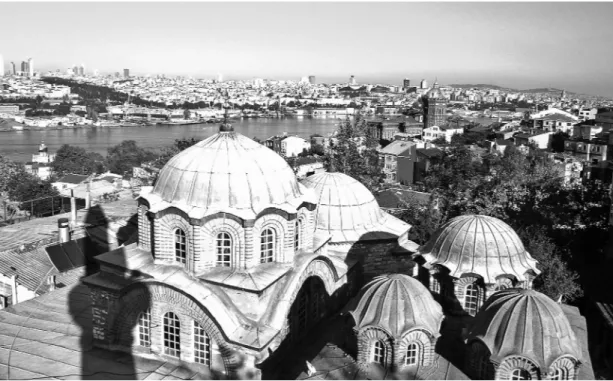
(397, 147)
(430, 152)
(73, 179)
(53, 340)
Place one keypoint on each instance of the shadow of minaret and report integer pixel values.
(80, 307)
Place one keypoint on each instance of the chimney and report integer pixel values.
(73, 207)
(51, 282)
(14, 287)
(64, 230)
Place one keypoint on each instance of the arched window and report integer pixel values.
(298, 235)
(172, 335)
(471, 298)
(560, 374)
(413, 355)
(224, 249)
(180, 246)
(144, 328)
(202, 345)
(378, 353)
(520, 374)
(267, 246)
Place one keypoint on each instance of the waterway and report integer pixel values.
(20, 145)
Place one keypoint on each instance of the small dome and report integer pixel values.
(227, 172)
(434, 93)
(346, 210)
(527, 323)
(481, 245)
(397, 303)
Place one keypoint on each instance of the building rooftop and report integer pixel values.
(73, 179)
(397, 147)
(50, 337)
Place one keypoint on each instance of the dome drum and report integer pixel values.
(520, 330)
(396, 322)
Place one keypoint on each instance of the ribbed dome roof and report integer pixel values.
(525, 322)
(479, 244)
(346, 210)
(227, 172)
(397, 303)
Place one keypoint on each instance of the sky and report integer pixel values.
(518, 45)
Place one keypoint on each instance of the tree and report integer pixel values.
(122, 158)
(354, 153)
(526, 192)
(556, 279)
(29, 187)
(71, 159)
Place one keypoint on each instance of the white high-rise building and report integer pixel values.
(219, 77)
(424, 84)
(30, 67)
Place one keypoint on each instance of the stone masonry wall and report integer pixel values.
(380, 259)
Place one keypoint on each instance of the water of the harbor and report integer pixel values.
(20, 145)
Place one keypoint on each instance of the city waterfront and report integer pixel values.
(20, 145)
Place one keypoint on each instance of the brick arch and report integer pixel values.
(209, 232)
(136, 298)
(164, 230)
(282, 236)
(460, 289)
(426, 342)
(367, 338)
(568, 364)
(517, 362)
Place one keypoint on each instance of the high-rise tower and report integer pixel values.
(30, 67)
(434, 107)
(13, 69)
(126, 73)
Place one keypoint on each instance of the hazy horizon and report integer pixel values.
(516, 45)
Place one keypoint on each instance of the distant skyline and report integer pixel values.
(517, 45)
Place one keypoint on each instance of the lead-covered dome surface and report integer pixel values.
(480, 245)
(525, 323)
(347, 211)
(227, 172)
(397, 303)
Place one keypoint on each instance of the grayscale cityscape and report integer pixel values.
(294, 190)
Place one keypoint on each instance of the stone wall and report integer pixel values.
(380, 258)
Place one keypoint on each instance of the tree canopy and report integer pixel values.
(122, 158)
(354, 153)
(72, 159)
(559, 224)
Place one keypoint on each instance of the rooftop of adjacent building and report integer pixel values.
(51, 337)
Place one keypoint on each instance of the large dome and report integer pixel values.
(227, 172)
(434, 93)
(397, 303)
(347, 211)
(481, 245)
(525, 322)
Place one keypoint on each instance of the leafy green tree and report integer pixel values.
(527, 192)
(355, 153)
(29, 187)
(75, 160)
(122, 158)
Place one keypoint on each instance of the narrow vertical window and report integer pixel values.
(267, 246)
(302, 311)
(172, 335)
(297, 235)
(412, 357)
(144, 328)
(180, 246)
(379, 353)
(224, 250)
(471, 297)
(202, 345)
